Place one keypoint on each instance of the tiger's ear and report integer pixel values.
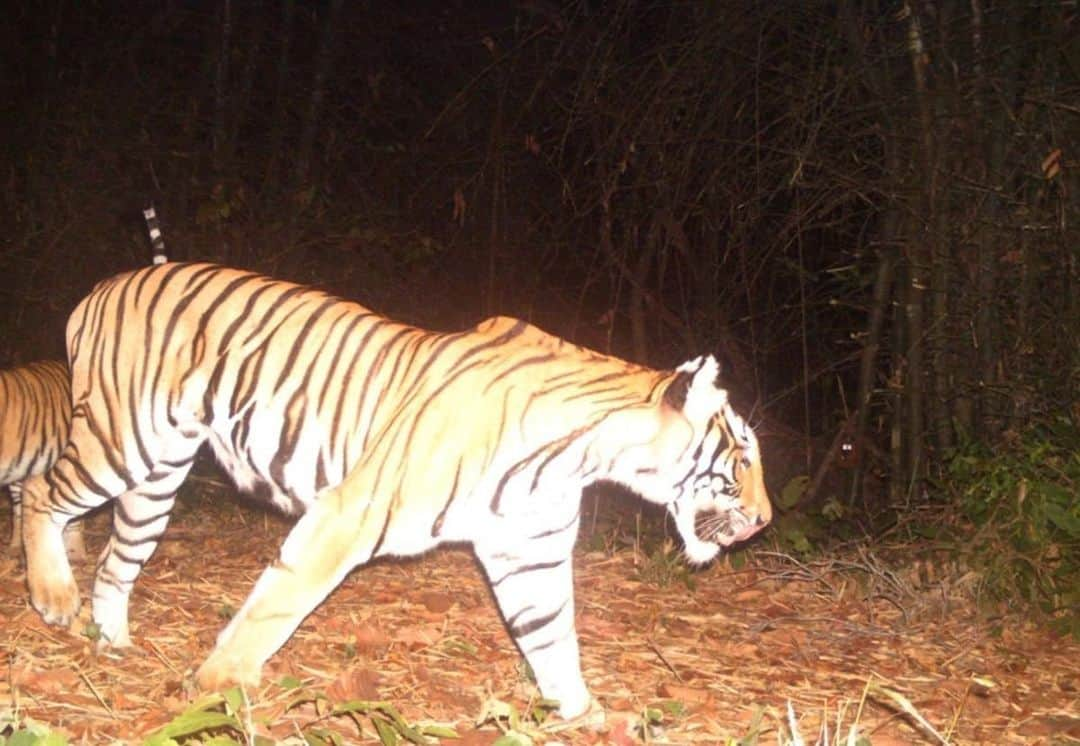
(694, 392)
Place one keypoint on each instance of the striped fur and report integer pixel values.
(35, 414)
(388, 439)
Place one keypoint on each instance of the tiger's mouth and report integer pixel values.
(725, 527)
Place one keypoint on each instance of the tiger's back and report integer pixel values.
(255, 383)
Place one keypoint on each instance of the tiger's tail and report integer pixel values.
(157, 241)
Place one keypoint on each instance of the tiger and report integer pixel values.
(386, 439)
(35, 415)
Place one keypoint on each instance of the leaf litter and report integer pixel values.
(912, 665)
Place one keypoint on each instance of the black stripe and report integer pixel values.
(560, 529)
(522, 630)
(436, 527)
(530, 568)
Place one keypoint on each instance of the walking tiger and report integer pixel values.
(35, 414)
(387, 439)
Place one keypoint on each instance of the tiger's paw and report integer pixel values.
(593, 717)
(221, 671)
(56, 599)
(112, 637)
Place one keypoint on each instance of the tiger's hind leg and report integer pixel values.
(139, 520)
(532, 581)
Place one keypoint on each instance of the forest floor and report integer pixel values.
(846, 641)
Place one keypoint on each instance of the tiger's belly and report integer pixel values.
(296, 485)
(251, 464)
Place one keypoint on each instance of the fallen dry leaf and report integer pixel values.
(356, 682)
(685, 694)
(438, 603)
(724, 649)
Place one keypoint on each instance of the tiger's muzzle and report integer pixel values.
(726, 527)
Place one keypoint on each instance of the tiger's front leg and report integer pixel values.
(329, 540)
(536, 597)
(73, 533)
(53, 591)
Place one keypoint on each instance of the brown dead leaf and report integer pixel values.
(788, 637)
(335, 624)
(370, 640)
(886, 739)
(619, 733)
(750, 594)
(438, 603)
(415, 637)
(358, 682)
(684, 694)
(477, 737)
(49, 681)
(775, 611)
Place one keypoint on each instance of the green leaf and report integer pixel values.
(513, 738)
(794, 536)
(833, 509)
(304, 698)
(290, 682)
(387, 735)
(1063, 519)
(362, 706)
(793, 492)
(36, 736)
(673, 707)
(196, 721)
(220, 740)
(439, 731)
(234, 699)
(322, 737)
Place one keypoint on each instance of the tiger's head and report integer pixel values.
(693, 454)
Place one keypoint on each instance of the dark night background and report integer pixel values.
(867, 210)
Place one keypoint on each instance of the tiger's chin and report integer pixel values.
(700, 552)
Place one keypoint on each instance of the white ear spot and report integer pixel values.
(704, 398)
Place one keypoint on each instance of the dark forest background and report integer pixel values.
(867, 209)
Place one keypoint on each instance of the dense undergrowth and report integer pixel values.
(1020, 515)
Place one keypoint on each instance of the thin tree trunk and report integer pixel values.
(868, 361)
(277, 120)
(636, 305)
(940, 330)
(242, 98)
(221, 90)
(918, 266)
(898, 381)
(993, 129)
(313, 119)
